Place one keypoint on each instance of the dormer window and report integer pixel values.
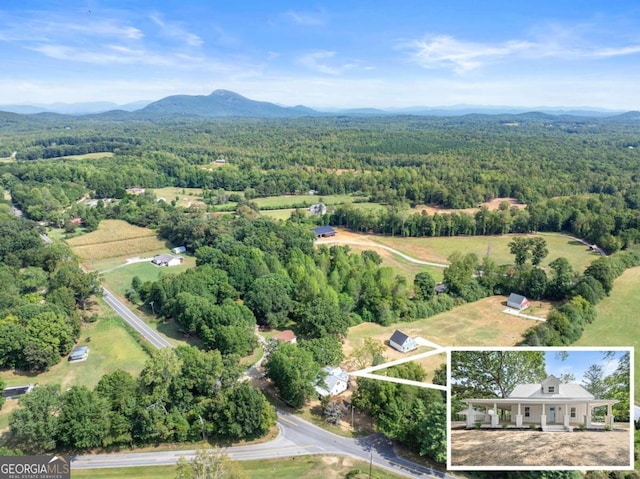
(552, 389)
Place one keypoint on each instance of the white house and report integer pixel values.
(402, 342)
(551, 404)
(336, 382)
(518, 302)
(319, 209)
(165, 259)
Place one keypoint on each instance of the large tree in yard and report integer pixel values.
(494, 373)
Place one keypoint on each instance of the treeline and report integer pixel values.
(182, 394)
(450, 162)
(607, 221)
(43, 293)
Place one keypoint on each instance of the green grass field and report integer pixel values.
(617, 322)
(185, 195)
(118, 280)
(438, 249)
(309, 467)
(288, 201)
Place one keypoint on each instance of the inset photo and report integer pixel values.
(540, 408)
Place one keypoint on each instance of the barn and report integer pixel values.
(324, 231)
(517, 301)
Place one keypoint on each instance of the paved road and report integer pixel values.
(135, 322)
(297, 437)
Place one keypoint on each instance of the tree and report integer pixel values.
(1, 388)
(209, 464)
(269, 299)
(369, 353)
(494, 373)
(520, 247)
(539, 250)
(593, 381)
(424, 286)
(293, 372)
(432, 433)
(34, 426)
(84, 419)
(326, 350)
(333, 411)
(246, 414)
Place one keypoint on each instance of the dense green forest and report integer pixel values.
(576, 175)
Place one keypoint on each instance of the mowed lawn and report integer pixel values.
(115, 238)
(288, 201)
(86, 156)
(118, 279)
(111, 348)
(309, 467)
(617, 322)
(439, 249)
(185, 196)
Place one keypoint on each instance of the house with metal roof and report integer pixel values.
(551, 404)
(166, 259)
(402, 342)
(517, 301)
(79, 353)
(324, 231)
(336, 382)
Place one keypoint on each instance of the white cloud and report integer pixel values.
(176, 31)
(306, 18)
(319, 61)
(444, 51)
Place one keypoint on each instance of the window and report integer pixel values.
(573, 412)
(552, 389)
(527, 411)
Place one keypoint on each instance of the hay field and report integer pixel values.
(115, 238)
(86, 156)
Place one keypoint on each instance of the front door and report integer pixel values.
(552, 414)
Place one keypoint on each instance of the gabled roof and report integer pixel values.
(565, 390)
(399, 337)
(516, 298)
(164, 258)
(323, 230)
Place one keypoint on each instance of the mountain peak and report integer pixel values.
(226, 94)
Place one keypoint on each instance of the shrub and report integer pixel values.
(608, 427)
(533, 427)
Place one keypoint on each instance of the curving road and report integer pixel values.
(297, 438)
(134, 321)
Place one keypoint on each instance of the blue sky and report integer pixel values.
(578, 362)
(324, 54)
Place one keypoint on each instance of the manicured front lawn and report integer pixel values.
(118, 278)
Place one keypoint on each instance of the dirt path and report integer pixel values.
(372, 245)
(535, 448)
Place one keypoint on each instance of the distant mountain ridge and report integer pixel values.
(225, 103)
(222, 103)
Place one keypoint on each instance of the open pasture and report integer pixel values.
(290, 201)
(475, 324)
(491, 205)
(183, 196)
(617, 322)
(86, 156)
(497, 247)
(116, 238)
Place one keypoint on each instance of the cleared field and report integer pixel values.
(283, 214)
(288, 201)
(491, 205)
(86, 156)
(617, 322)
(439, 249)
(309, 467)
(118, 280)
(475, 324)
(115, 238)
(185, 196)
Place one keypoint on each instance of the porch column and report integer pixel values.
(609, 418)
(471, 417)
(588, 418)
(543, 417)
(519, 417)
(494, 417)
(567, 416)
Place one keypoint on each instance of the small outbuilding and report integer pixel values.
(286, 336)
(16, 391)
(318, 209)
(517, 301)
(179, 250)
(165, 259)
(402, 342)
(336, 382)
(79, 353)
(324, 231)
